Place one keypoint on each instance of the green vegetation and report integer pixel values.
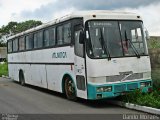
(2, 44)
(3, 69)
(15, 27)
(154, 42)
(145, 99)
(151, 99)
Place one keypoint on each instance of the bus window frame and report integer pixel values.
(12, 46)
(24, 37)
(72, 21)
(26, 41)
(86, 28)
(14, 39)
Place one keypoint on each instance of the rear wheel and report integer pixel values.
(70, 89)
(21, 78)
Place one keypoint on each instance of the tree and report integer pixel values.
(26, 25)
(8, 28)
(2, 44)
(14, 28)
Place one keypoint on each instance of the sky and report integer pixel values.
(47, 10)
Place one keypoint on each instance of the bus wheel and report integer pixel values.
(21, 78)
(70, 89)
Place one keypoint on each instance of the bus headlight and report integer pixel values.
(145, 84)
(104, 89)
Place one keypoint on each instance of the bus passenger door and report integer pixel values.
(80, 65)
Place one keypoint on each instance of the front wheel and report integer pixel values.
(70, 89)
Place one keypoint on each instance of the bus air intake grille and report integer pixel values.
(135, 76)
(120, 88)
(116, 78)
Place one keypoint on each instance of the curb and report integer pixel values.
(3, 76)
(137, 107)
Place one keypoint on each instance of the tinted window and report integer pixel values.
(35, 41)
(78, 46)
(38, 39)
(29, 41)
(132, 36)
(52, 36)
(64, 34)
(49, 37)
(60, 35)
(10, 46)
(21, 43)
(67, 33)
(115, 39)
(46, 38)
(15, 45)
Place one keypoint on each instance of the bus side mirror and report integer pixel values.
(81, 37)
(147, 35)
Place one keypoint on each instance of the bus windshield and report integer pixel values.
(109, 39)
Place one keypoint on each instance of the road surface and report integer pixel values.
(17, 99)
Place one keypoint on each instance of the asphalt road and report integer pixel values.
(17, 99)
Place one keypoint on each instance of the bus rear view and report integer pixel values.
(117, 58)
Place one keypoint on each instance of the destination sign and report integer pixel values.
(102, 24)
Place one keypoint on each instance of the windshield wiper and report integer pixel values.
(103, 43)
(133, 47)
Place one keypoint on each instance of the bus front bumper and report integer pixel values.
(113, 90)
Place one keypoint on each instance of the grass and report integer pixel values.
(145, 99)
(3, 69)
(154, 42)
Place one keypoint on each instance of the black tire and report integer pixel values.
(70, 89)
(21, 78)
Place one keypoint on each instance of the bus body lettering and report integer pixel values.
(59, 55)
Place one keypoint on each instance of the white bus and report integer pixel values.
(87, 54)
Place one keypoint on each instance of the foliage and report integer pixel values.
(8, 28)
(3, 69)
(14, 27)
(26, 25)
(145, 99)
(2, 44)
(154, 42)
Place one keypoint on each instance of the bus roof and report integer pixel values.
(86, 15)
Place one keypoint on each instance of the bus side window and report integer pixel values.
(64, 34)
(78, 46)
(15, 45)
(29, 41)
(52, 40)
(46, 38)
(59, 35)
(21, 43)
(35, 41)
(38, 39)
(67, 33)
(10, 46)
